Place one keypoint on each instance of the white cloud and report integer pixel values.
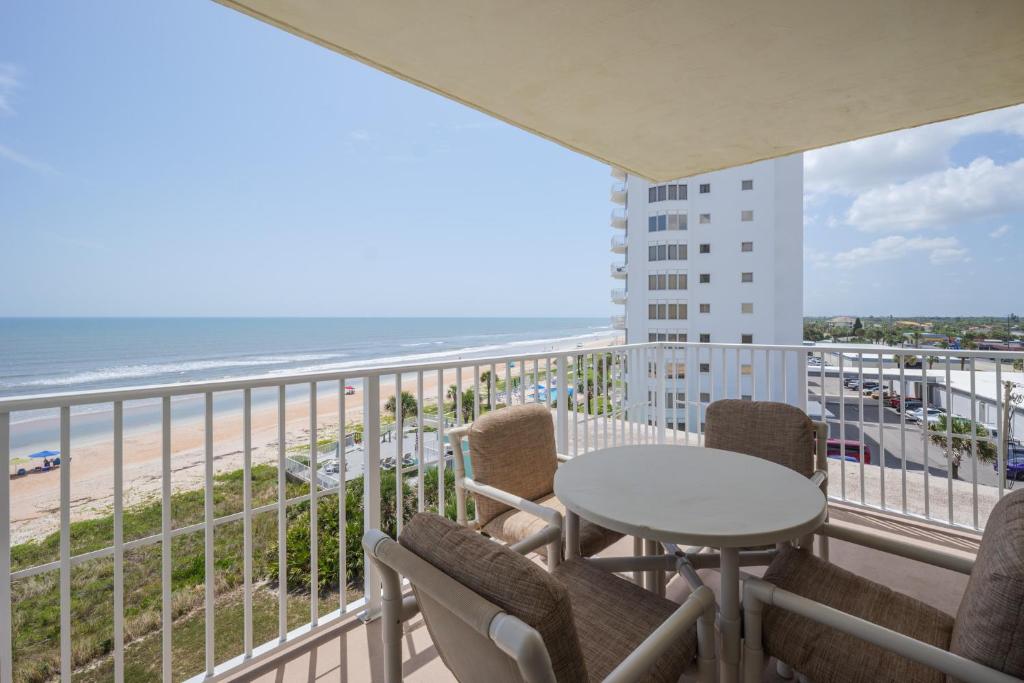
(9, 82)
(982, 189)
(359, 135)
(939, 250)
(1001, 231)
(897, 157)
(22, 160)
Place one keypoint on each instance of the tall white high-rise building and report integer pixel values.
(716, 258)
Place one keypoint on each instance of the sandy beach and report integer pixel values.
(35, 499)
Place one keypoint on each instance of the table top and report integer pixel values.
(690, 495)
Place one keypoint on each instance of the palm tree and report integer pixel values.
(485, 381)
(960, 441)
(409, 405)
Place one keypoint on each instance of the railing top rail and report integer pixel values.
(864, 350)
(88, 397)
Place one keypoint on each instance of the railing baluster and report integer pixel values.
(925, 403)
(165, 542)
(6, 636)
(902, 402)
(314, 511)
(442, 451)
(282, 520)
(399, 451)
(342, 498)
(420, 492)
(881, 430)
(476, 391)
(1001, 454)
(209, 577)
(562, 410)
(860, 420)
(949, 440)
(974, 444)
(65, 544)
(118, 542)
(371, 485)
(247, 519)
(842, 426)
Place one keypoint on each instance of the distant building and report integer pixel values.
(842, 321)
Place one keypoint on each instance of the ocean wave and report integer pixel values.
(144, 370)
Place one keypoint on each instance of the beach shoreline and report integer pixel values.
(35, 498)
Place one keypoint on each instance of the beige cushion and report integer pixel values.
(513, 449)
(507, 579)
(990, 622)
(824, 654)
(613, 616)
(515, 525)
(777, 432)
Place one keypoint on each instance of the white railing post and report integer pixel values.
(660, 403)
(6, 650)
(371, 489)
(562, 410)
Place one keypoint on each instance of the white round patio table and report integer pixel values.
(690, 495)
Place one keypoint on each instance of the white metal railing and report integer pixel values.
(640, 393)
(618, 269)
(618, 218)
(618, 243)
(619, 295)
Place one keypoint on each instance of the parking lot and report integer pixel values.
(900, 441)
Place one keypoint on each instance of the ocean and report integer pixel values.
(56, 355)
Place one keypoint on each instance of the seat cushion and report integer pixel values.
(613, 616)
(774, 431)
(506, 579)
(989, 625)
(515, 525)
(513, 449)
(824, 654)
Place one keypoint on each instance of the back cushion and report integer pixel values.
(989, 625)
(505, 578)
(513, 449)
(777, 432)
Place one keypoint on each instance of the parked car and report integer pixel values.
(852, 383)
(1014, 464)
(814, 360)
(834, 449)
(918, 415)
(880, 391)
(868, 386)
(898, 403)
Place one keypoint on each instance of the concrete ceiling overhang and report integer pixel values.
(666, 89)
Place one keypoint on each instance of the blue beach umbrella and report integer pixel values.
(45, 454)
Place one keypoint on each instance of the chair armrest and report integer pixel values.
(959, 562)
(961, 668)
(552, 517)
(562, 457)
(819, 477)
(637, 665)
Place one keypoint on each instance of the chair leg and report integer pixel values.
(823, 547)
(706, 661)
(753, 652)
(638, 551)
(391, 622)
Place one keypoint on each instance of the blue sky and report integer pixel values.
(182, 159)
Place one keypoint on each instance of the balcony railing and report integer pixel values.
(619, 322)
(618, 270)
(618, 296)
(618, 219)
(943, 473)
(618, 173)
(618, 193)
(618, 243)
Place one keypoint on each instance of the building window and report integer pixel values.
(666, 252)
(746, 277)
(746, 397)
(661, 193)
(652, 195)
(746, 216)
(705, 218)
(682, 191)
(746, 184)
(666, 311)
(705, 248)
(705, 278)
(705, 188)
(671, 192)
(746, 246)
(746, 308)
(677, 221)
(705, 367)
(705, 308)
(705, 338)
(705, 397)
(652, 337)
(661, 281)
(746, 339)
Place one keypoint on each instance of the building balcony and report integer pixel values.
(618, 173)
(618, 244)
(618, 219)
(619, 322)
(619, 271)
(618, 296)
(265, 620)
(618, 193)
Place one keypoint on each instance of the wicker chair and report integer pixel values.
(496, 616)
(831, 625)
(513, 456)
